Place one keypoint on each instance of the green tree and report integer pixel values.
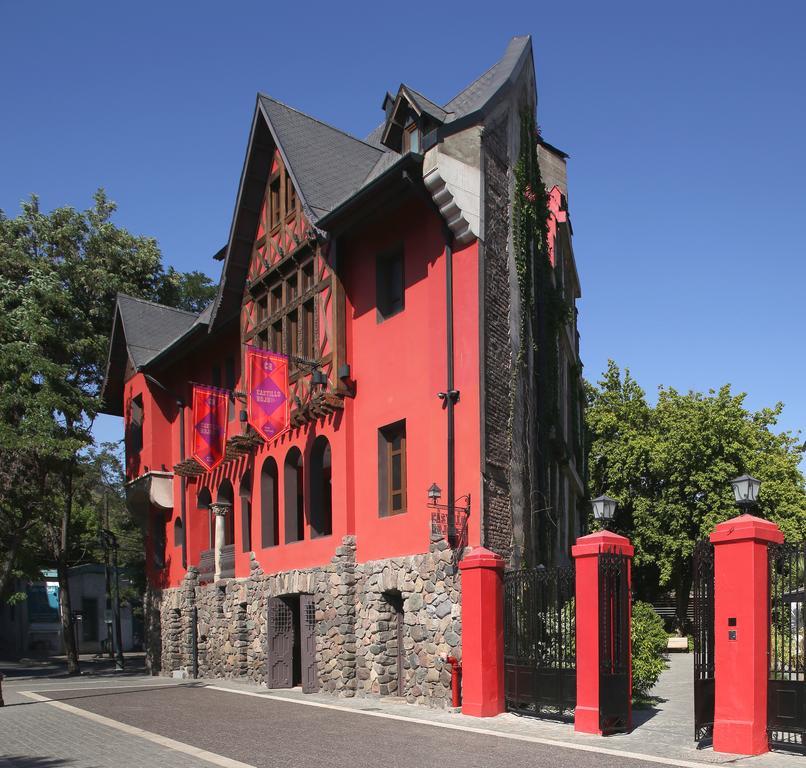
(670, 465)
(59, 275)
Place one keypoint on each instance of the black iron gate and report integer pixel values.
(703, 583)
(540, 641)
(786, 688)
(614, 642)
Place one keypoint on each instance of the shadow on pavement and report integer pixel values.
(21, 761)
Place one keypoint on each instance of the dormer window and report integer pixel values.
(409, 117)
(411, 138)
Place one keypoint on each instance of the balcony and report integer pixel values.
(227, 562)
(207, 564)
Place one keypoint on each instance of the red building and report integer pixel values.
(387, 269)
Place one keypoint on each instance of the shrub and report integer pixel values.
(648, 647)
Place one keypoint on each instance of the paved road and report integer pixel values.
(259, 732)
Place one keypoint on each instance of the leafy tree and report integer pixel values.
(59, 275)
(670, 465)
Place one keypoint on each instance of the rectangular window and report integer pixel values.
(292, 339)
(274, 203)
(136, 425)
(308, 338)
(277, 337)
(307, 277)
(389, 286)
(392, 469)
(262, 340)
(290, 198)
(291, 289)
(276, 298)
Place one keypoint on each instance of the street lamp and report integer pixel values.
(745, 491)
(434, 493)
(603, 509)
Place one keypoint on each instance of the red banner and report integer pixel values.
(209, 425)
(267, 391)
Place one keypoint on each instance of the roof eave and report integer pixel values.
(338, 219)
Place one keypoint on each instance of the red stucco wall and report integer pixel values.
(398, 365)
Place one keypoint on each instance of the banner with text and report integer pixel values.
(267, 391)
(209, 425)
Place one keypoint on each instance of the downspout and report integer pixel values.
(451, 395)
(182, 503)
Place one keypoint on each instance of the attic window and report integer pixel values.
(274, 202)
(290, 198)
(411, 139)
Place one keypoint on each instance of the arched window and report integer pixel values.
(321, 497)
(294, 497)
(245, 494)
(269, 505)
(225, 493)
(179, 532)
(203, 501)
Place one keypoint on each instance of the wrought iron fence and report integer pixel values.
(540, 640)
(786, 694)
(614, 642)
(704, 671)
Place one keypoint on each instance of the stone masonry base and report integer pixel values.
(356, 629)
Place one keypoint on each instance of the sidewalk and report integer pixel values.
(55, 667)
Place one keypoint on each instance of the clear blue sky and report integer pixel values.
(685, 123)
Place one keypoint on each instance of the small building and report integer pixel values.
(435, 389)
(32, 627)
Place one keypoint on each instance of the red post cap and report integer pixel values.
(481, 557)
(747, 528)
(602, 541)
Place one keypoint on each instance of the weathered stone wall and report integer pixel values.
(497, 415)
(356, 631)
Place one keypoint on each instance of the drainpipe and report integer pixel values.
(182, 503)
(451, 395)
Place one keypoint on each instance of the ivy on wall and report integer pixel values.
(540, 300)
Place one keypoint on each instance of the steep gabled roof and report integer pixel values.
(330, 167)
(482, 91)
(325, 163)
(140, 332)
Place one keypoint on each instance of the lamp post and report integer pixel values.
(603, 510)
(745, 492)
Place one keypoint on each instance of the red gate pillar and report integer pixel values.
(586, 557)
(482, 633)
(741, 633)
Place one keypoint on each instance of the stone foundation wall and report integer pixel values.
(356, 623)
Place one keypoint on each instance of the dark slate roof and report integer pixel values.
(425, 105)
(150, 327)
(326, 164)
(140, 332)
(482, 90)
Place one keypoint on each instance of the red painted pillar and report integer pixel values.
(586, 557)
(741, 633)
(482, 633)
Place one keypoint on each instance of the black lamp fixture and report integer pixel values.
(604, 508)
(745, 492)
(434, 494)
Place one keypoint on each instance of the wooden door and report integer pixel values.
(280, 644)
(307, 621)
